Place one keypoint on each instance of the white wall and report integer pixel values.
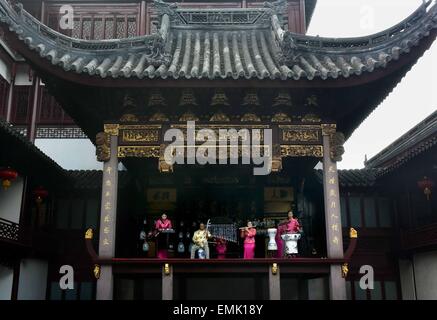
(425, 271)
(22, 75)
(32, 283)
(71, 154)
(5, 72)
(6, 279)
(10, 201)
(406, 272)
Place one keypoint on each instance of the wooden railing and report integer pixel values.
(9, 230)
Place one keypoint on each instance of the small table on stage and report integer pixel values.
(164, 242)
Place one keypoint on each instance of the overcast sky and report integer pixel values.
(412, 100)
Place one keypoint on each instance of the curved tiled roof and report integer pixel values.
(353, 177)
(221, 44)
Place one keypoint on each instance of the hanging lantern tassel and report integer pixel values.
(40, 194)
(426, 185)
(7, 175)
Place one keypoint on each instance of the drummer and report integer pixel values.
(162, 224)
(292, 225)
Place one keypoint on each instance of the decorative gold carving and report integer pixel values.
(158, 117)
(281, 117)
(337, 148)
(312, 118)
(140, 135)
(275, 268)
(301, 151)
(219, 98)
(344, 270)
(89, 234)
(296, 135)
(312, 101)
(283, 99)
(96, 271)
(128, 117)
(328, 129)
(111, 129)
(156, 99)
(219, 117)
(276, 158)
(187, 98)
(103, 147)
(188, 116)
(129, 102)
(250, 117)
(353, 233)
(138, 151)
(163, 166)
(251, 98)
(167, 269)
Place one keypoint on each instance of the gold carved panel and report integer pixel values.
(301, 151)
(138, 151)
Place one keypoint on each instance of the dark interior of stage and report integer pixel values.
(227, 194)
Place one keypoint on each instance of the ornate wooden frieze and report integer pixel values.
(250, 117)
(103, 147)
(219, 98)
(281, 117)
(138, 151)
(311, 118)
(139, 134)
(300, 134)
(282, 99)
(301, 151)
(111, 129)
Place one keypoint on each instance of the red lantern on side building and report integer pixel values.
(7, 175)
(40, 194)
(426, 185)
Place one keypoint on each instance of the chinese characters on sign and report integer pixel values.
(107, 215)
(333, 216)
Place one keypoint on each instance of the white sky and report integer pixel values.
(411, 101)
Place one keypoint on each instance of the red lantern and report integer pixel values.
(7, 175)
(426, 185)
(40, 194)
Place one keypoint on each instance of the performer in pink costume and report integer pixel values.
(221, 248)
(162, 224)
(248, 233)
(290, 226)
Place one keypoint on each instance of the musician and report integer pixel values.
(221, 247)
(200, 240)
(248, 233)
(162, 224)
(291, 225)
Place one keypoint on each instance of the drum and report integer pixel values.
(290, 240)
(272, 246)
(201, 253)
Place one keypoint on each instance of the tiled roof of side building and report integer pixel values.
(246, 43)
(21, 154)
(421, 138)
(92, 179)
(353, 178)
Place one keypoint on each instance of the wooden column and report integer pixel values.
(167, 282)
(35, 108)
(334, 238)
(108, 215)
(274, 283)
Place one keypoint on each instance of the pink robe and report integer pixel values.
(221, 249)
(249, 243)
(162, 225)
